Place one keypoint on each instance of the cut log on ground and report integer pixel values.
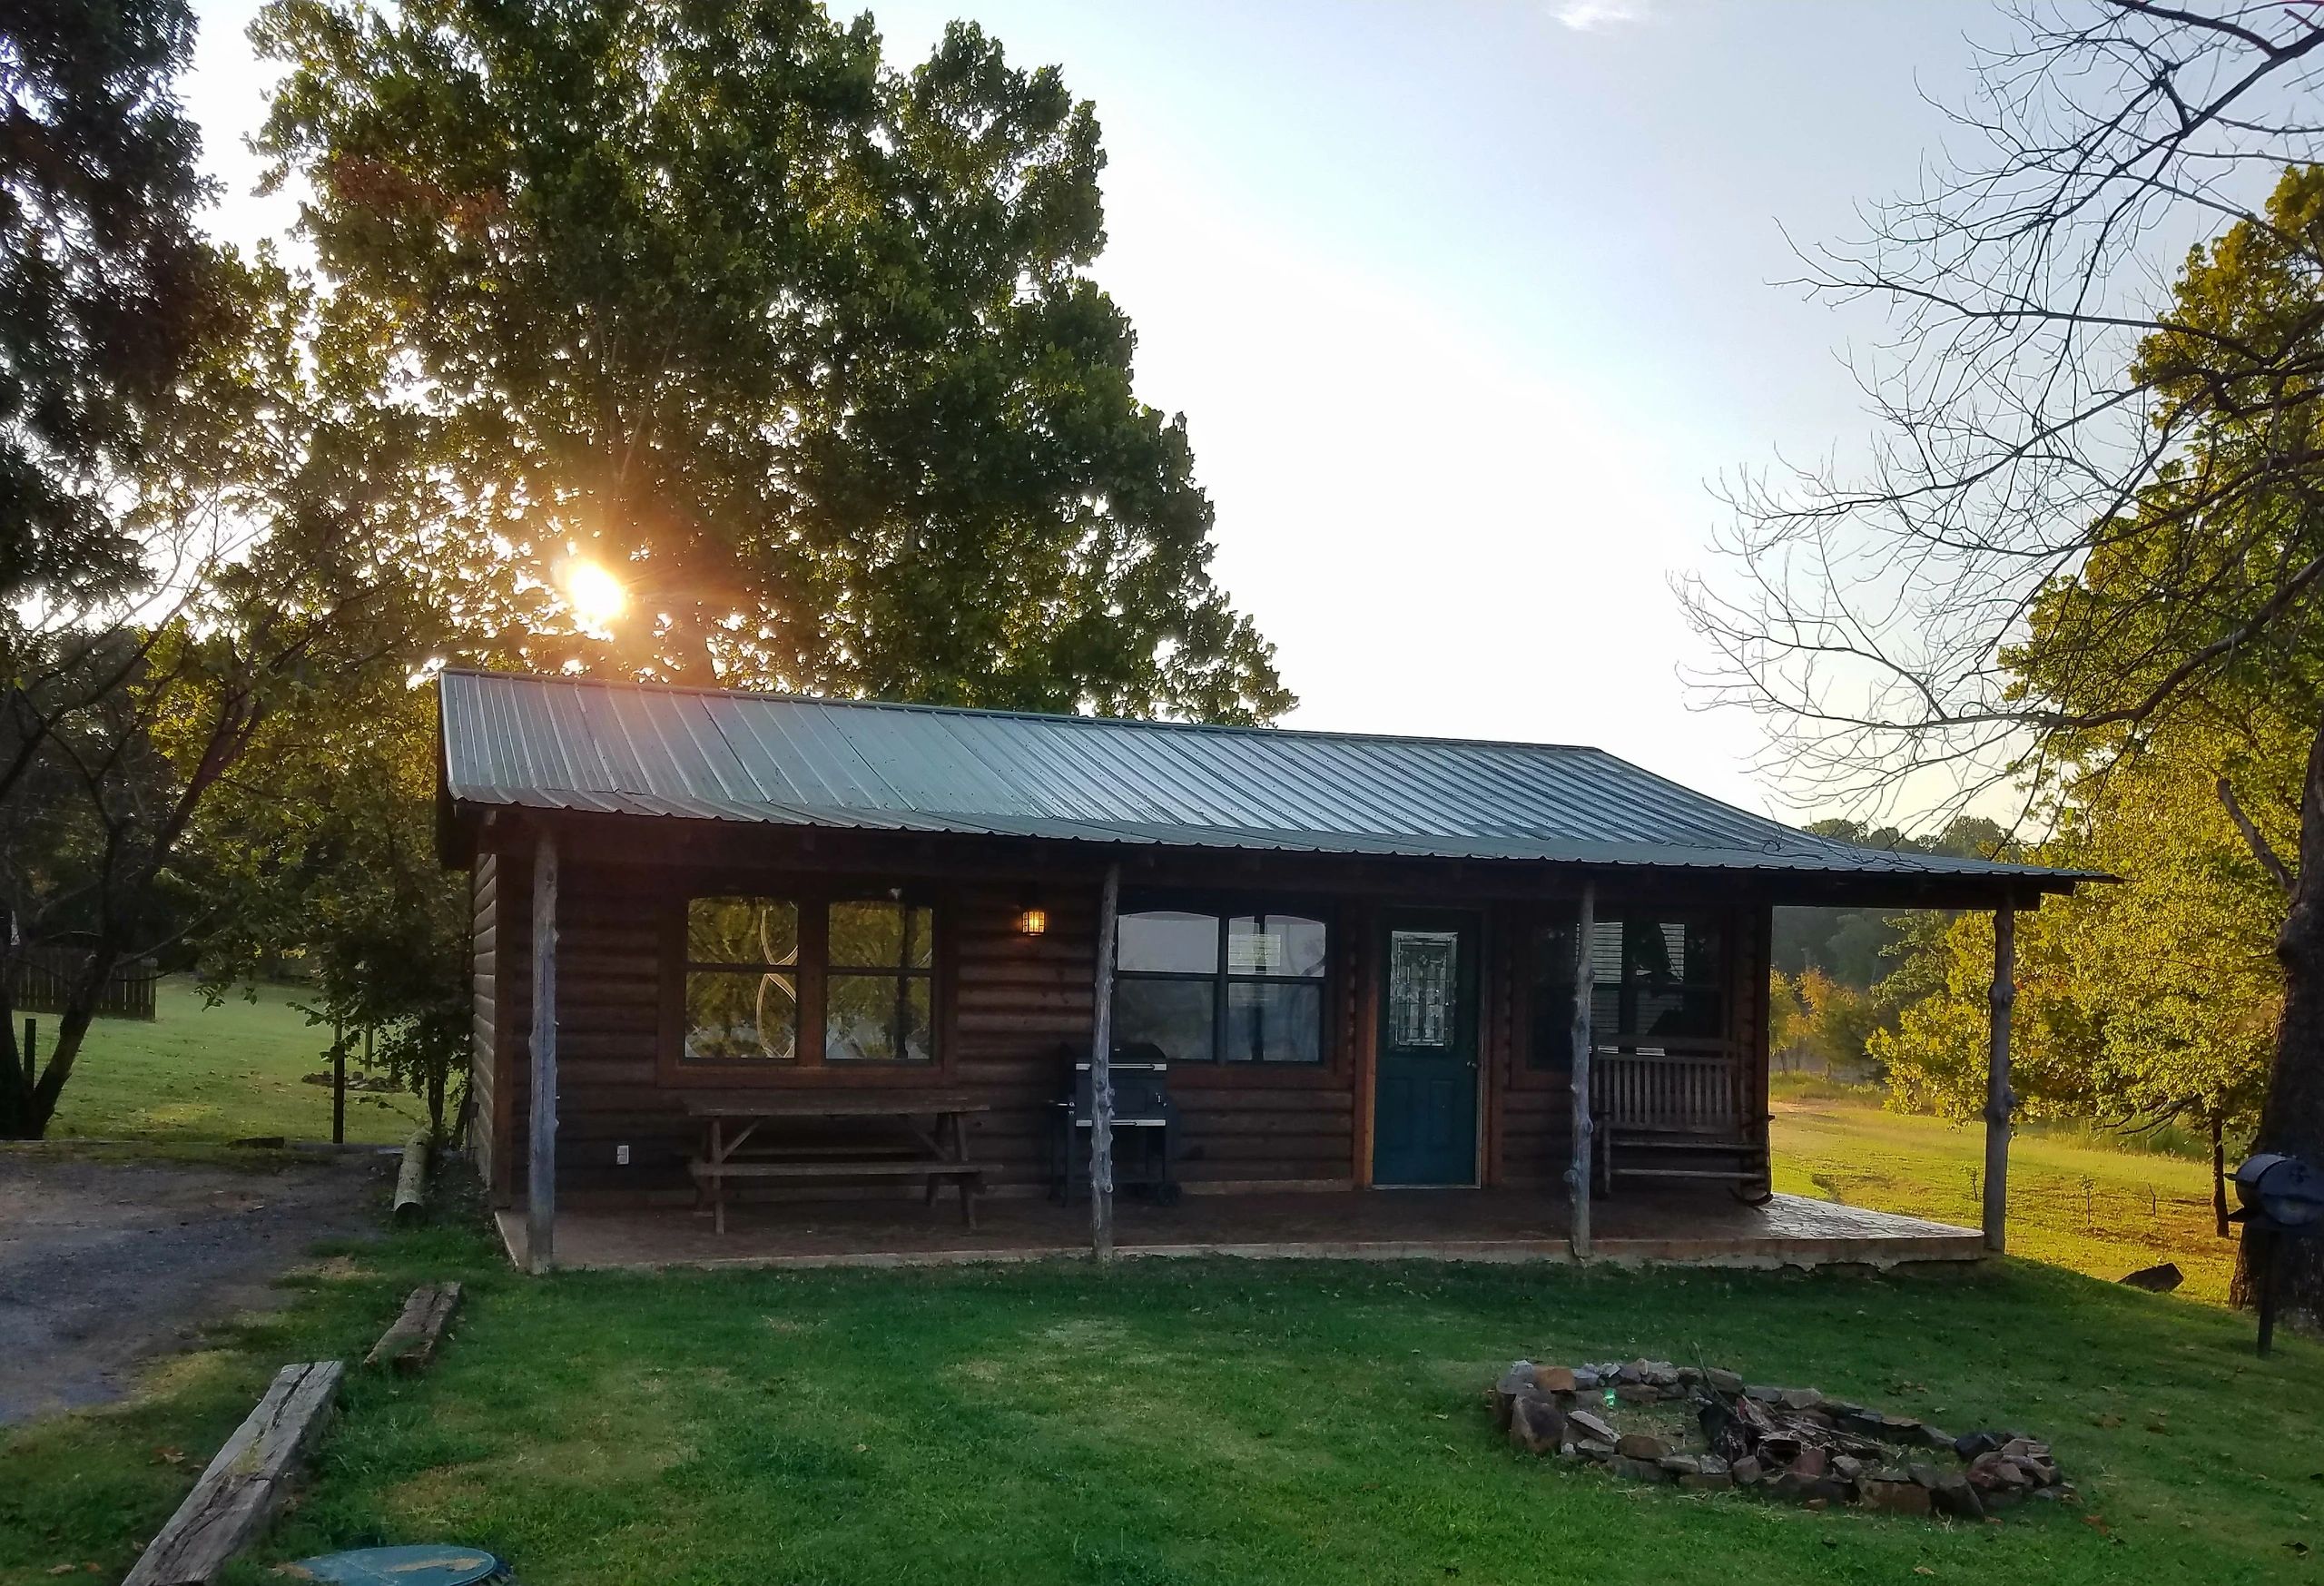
(411, 1180)
(410, 1344)
(240, 1489)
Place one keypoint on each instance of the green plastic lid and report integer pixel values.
(433, 1565)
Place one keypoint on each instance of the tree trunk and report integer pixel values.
(2292, 1118)
(17, 1076)
(2219, 1177)
(29, 1088)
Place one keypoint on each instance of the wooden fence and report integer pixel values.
(41, 976)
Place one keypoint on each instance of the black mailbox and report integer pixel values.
(2283, 1199)
(2284, 1190)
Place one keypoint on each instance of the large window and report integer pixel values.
(841, 981)
(1222, 988)
(1658, 976)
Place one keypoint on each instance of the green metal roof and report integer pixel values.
(588, 745)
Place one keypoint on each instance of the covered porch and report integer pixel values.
(1692, 1226)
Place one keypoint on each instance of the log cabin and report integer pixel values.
(765, 951)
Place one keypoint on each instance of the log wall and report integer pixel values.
(1012, 1012)
(485, 1024)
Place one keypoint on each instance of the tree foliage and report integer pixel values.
(276, 562)
(322, 841)
(106, 286)
(1817, 1021)
(2090, 513)
(802, 346)
(1855, 946)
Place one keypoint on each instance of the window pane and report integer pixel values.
(742, 931)
(877, 1018)
(1659, 977)
(1269, 1023)
(1423, 968)
(883, 934)
(1276, 944)
(1164, 941)
(741, 1018)
(1549, 995)
(1174, 1015)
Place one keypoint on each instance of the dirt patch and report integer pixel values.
(106, 1263)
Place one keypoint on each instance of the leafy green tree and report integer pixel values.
(1935, 1058)
(323, 842)
(105, 285)
(1821, 1021)
(2143, 1004)
(2091, 516)
(803, 348)
(276, 568)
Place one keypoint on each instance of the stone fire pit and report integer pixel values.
(1707, 1430)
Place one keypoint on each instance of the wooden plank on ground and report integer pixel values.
(240, 1489)
(410, 1343)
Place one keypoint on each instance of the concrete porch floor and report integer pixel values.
(1694, 1227)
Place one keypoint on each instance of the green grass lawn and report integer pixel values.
(197, 1073)
(2081, 1206)
(1187, 1422)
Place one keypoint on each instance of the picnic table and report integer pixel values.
(931, 1154)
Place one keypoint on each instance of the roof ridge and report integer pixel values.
(1061, 717)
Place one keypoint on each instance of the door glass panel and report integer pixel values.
(1424, 969)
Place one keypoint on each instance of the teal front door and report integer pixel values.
(1424, 1095)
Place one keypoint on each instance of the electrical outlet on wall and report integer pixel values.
(621, 1154)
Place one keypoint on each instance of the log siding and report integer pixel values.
(1012, 1011)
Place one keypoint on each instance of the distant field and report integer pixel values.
(198, 1073)
(2097, 1211)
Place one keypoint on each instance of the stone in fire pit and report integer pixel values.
(1714, 1431)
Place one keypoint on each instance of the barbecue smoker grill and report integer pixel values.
(2283, 1199)
(1145, 1127)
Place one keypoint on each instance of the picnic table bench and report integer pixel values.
(931, 1155)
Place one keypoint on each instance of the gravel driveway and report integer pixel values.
(104, 1264)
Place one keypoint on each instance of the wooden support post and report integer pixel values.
(337, 1086)
(1585, 982)
(540, 1198)
(1101, 1072)
(1999, 1102)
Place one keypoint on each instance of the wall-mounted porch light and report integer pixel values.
(1033, 920)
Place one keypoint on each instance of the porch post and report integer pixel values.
(1584, 983)
(1101, 1073)
(1998, 1100)
(540, 1194)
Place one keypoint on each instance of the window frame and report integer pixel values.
(1226, 907)
(811, 1065)
(1558, 1067)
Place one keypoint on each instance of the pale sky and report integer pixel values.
(1467, 302)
